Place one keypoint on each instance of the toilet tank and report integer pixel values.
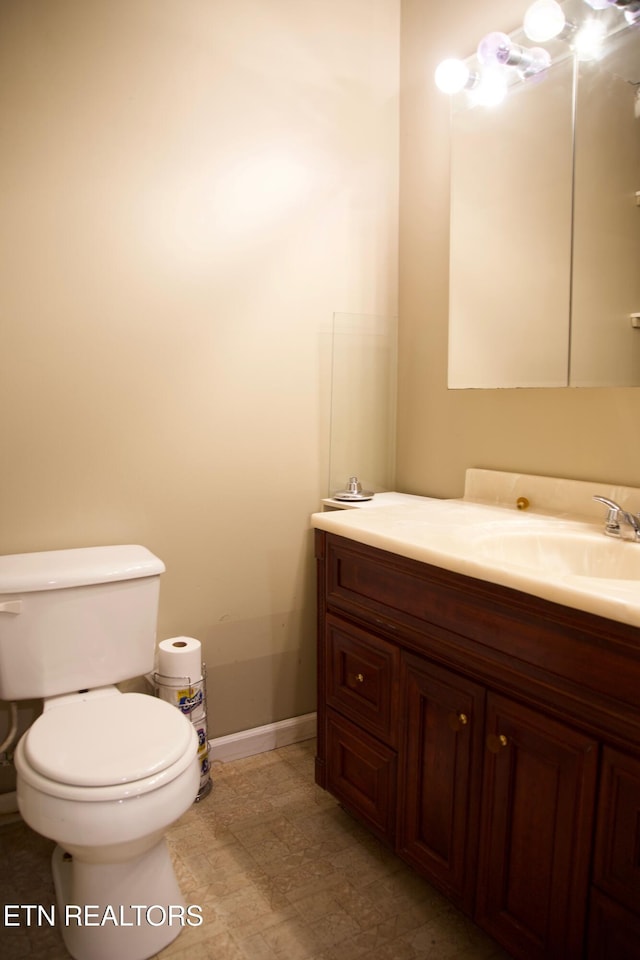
(76, 619)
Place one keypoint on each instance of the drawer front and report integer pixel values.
(361, 773)
(362, 678)
(377, 591)
(617, 860)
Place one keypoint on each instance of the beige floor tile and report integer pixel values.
(281, 873)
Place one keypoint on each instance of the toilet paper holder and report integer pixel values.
(190, 697)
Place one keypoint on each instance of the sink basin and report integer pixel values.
(563, 553)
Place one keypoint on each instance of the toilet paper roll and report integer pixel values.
(180, 657)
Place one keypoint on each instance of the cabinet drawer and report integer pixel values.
(361, 772)
(617, 860)
(375, 590)
(362, 678)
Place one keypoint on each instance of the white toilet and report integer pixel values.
(102, 773)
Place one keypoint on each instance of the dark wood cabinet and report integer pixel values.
(493, 739)
(440, 776)
(537, 815)
(361, 772)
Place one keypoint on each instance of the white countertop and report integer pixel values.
(385, 499)
(451, 533)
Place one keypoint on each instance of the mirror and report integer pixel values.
(545, 226)
(605, 347)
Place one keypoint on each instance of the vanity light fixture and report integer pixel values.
(500, 59)
(499, 48)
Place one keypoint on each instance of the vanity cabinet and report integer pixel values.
(492, 739)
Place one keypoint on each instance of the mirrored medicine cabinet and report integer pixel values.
(545, 225)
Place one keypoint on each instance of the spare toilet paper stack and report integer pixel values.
(181, 680)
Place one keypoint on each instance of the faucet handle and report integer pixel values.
(609, 503)
(615, 515)
(612, 523)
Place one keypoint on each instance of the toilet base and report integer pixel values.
(128, 911)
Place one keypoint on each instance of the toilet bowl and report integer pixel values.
(104, 773)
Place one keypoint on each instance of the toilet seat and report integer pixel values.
(107, 748)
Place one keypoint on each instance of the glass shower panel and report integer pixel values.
(363, 401)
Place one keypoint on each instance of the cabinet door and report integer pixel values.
(536, 825)
(440, 777)
(617, 860)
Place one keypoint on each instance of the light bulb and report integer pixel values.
(452, 76)
(494, 48)
(632, 14)
(539, 60)
(491, 89)
(544, 20)
(588, 41)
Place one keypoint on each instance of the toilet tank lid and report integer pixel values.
(56, 569)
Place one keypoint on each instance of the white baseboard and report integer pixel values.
(246, 743)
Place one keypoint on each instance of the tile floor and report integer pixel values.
(281, 873)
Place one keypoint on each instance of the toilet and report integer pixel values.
(100, 772)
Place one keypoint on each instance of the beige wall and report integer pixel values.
(189, 191)
(587, 434)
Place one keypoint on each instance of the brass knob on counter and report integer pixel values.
(496, 742)
(522, 503)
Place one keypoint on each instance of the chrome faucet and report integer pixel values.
(616, 517)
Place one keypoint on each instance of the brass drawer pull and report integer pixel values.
(360, 677)
(458, 720)
(496, 742)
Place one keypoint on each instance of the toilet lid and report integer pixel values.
(108, 740)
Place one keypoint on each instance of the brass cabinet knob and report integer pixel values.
(496, 742)
(360, 677)
(458, 720)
